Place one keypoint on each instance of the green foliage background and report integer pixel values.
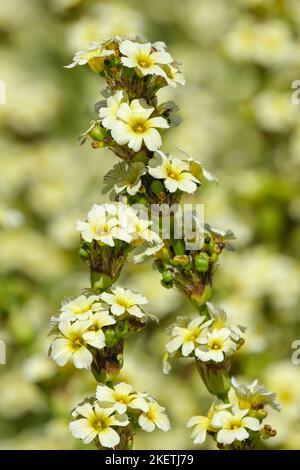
(238, 120)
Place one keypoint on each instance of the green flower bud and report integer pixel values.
(110, 337)
(201, 261)
(158, 188)
(84, 252)
(211, 247)
(122, 329)
(167, 277)
(98, 133)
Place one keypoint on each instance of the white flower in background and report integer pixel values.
(143, 58)
(71, 344)
(130, 179)
(102, 225)
(174, 172)
(274, 112)
(108, 114)
(268, 43)
(10, 218)
(188, 338)
(97, 422)
(94, 334)
(122, 21)
(124, 301)
(96, 52)
(274, 43)
(135, 126)
(202, 424)
(80, 308)
(120, 397)
(155, 416)
(218, 344)
(241, 41)
(233, 425)
(173, 76)
(252, 396)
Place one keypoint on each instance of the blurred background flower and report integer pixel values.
(239, 59)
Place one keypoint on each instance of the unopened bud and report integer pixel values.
(181, 260)
(110, 337)
(202, 262)
(158, 188)
(97, 133)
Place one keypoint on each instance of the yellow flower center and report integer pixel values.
(121, 398)
(145, 61)
(124, 302)
(94, 327)
(215, 346)
(100, 423)
(234, 423)
(84, 309)
(151, 415)
(139, 127)
(172, 173)
(77, 343)
(192, 335)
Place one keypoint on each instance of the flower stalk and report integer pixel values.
(92, 330)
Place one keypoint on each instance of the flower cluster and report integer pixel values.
(107, 418)
(109, 223)
(208, 340)
(163, 174)
(109, 234)
(239, 423)
(130, 122)
(144, 58)
(91, 323)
